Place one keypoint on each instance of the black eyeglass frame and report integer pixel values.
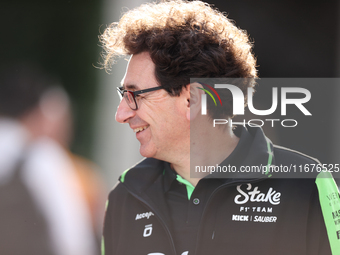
(122, 91)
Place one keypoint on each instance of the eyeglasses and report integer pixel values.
(130, 96)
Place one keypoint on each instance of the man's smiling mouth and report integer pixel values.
(140, 129)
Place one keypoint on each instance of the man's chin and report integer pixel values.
(147, 152)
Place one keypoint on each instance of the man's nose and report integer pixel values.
(124, 112)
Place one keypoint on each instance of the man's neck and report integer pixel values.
(206, 149)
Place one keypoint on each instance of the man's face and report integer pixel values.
(161, 122)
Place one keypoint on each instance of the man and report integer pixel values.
(41, 206)
(160, 206)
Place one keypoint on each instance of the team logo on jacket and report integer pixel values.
(272, 196)
(144, 215)
(254, 212)
(147, 230)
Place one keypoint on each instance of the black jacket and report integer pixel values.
(255, 214)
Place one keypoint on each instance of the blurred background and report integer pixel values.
(293, 38)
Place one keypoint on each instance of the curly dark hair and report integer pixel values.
(185, 40)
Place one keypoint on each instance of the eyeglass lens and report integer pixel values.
(130, 99)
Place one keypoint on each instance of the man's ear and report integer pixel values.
(186, 93)
(195, 100)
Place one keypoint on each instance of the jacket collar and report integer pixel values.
(254, 149)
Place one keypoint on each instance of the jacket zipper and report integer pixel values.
(233, 183)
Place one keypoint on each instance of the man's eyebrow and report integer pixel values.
(130, 87)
